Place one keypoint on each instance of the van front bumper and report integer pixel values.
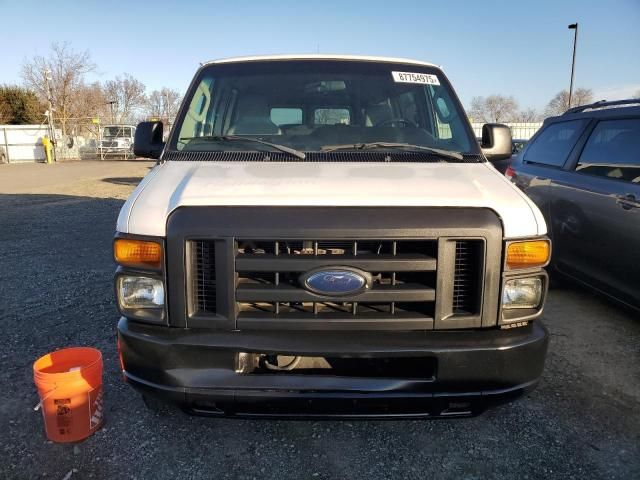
(195, 369)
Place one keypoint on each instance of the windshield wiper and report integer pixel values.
(372, 145)
(235, 138)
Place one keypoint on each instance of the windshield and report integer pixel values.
(313, 105)
(116, 131)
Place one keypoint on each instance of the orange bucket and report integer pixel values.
(69, 383)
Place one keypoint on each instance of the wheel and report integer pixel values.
(157, 406)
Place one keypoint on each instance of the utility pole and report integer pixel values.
(111, 104)
(574, 27)
(166, 107)
(52, 131)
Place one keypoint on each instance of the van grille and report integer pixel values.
(403, 274)
(404, 277)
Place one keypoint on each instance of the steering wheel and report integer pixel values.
(391, 121)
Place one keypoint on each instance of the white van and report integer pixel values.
(323, 235)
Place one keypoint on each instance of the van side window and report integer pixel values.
(197, 120)
(613, 151)
(555, 142)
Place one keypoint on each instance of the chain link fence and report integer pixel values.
(85, 139)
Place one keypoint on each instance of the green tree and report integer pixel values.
(19, 106)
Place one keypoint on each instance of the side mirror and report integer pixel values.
(496, 141)
(148, 142)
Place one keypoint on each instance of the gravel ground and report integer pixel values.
(56, 226)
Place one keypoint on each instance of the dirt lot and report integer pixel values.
(56, 225)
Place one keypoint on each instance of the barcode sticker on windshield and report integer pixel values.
(422, 78)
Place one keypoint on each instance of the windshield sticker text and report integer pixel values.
(422, 78)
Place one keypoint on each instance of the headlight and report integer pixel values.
(522, 293)
(140, 292)
(141, 297)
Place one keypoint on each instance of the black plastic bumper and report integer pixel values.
(195, 370)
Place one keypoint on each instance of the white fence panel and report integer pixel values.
(23, 143)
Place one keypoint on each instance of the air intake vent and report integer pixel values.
(360, 156)
(468, 270)
(203, 278)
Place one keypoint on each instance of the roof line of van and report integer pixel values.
(319, 56)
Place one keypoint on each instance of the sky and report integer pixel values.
(519, 48)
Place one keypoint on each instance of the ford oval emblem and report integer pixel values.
(336, 281)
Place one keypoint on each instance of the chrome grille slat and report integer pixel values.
(368, 262)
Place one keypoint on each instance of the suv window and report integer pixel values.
(613, 151)
(553, 145)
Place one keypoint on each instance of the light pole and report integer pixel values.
(574, 27)
(111, 104)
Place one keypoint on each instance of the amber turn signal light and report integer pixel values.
(528, 254)
(137, 253)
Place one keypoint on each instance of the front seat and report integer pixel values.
(253, 117)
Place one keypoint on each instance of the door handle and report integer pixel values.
(628, 201)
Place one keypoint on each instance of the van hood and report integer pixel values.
(176, 184)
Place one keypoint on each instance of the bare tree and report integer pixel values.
(493, 109)
(128, 94)
(89, 102)
(65, 69)
(163, 104)
(528, 115)
(560, 103)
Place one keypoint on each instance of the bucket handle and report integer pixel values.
(39, 404)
